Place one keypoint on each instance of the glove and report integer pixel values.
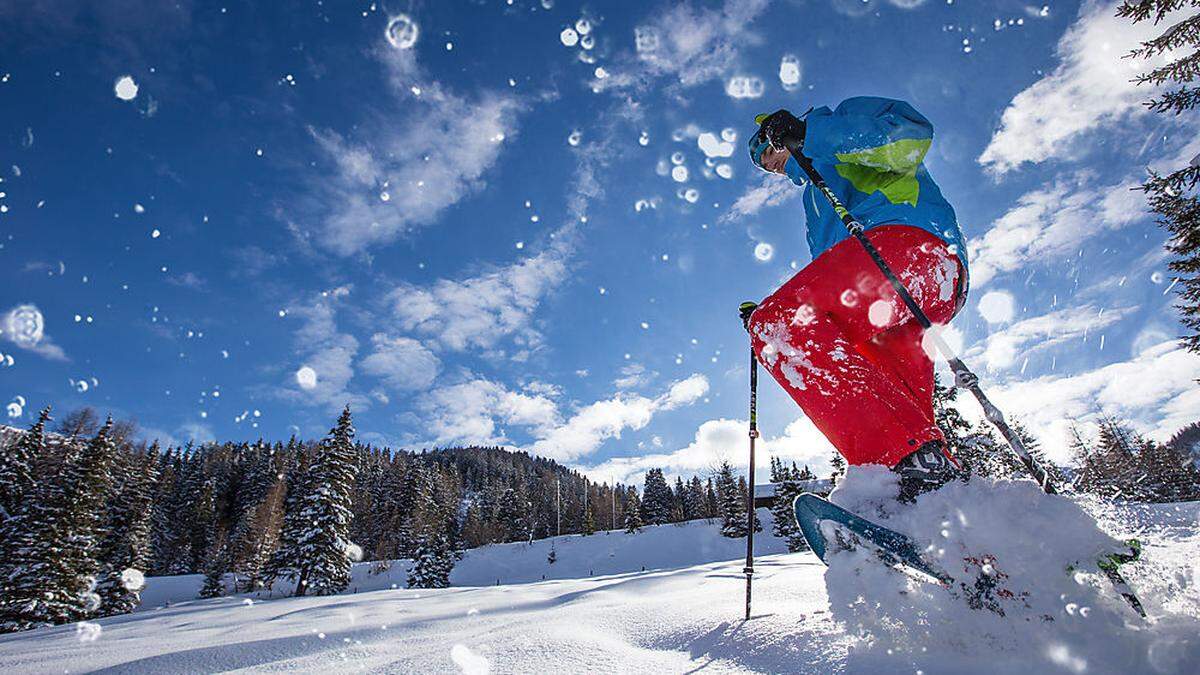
(781, 126)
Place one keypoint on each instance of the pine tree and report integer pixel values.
(284, 561)
(656, 499)
(214, 573)
(787, 488)
(125, 552)
(433, 564)
(323, 565)
(947, 416)
(744, 496)
(49, 563)
(16, 466)
(839, 468)
(1173, 196)
(633, 510)
(732, 505)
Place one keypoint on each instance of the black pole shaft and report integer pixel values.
(749, 569)
(963, 377)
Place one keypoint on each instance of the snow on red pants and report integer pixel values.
(839, 339)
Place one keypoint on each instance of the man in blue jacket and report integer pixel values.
(836, 336)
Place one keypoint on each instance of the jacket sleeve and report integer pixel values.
(879, 133)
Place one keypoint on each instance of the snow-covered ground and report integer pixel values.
(597, 611)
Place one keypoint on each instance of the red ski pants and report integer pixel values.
(839, 339)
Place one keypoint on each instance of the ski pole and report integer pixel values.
(745, 310)
(963, 377)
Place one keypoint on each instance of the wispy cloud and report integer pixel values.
(395, 175)
(1089, 89)
(402, 363)
(322, 347)
(480, 311)
(687, 45)
(1051, 221)
(771, 190)
(1155, 391)
(1029, 336)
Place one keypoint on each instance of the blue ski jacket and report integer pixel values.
(871, 151)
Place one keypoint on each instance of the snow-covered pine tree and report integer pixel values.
(712, 505)
(787, 488)
(16, 466)
(125, 551)
(49, 563)
(744, 495)
(732, 504)
(214, 571)
(323, 564)
(947, 416)
(695, 503)
(284, 561)
(1173, 196)
(839, 467)
(633, 510)
(433, 563)
(656, 499)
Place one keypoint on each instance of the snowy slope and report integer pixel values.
(682, 614)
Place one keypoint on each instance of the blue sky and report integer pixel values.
(484, 236)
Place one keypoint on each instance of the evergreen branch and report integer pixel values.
(1182, 34)
(1184, 98)
(1181, 70)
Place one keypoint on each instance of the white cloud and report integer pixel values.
(468, 412)
(403, 363)
(772, 190)
(480, 311)
(328, 352)
(689, 45)
(1155, 392)
(1028, 336)
(725, 440)
(632, 376)
(1088, 90)
(481, 411)
(1053, 221)
(590, 426)
(399, 174)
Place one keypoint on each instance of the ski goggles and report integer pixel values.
(758, 140)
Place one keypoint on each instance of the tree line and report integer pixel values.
(86, 513)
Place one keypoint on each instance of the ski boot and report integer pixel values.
(927, 468)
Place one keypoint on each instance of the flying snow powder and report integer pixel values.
(125, 88)
(569, 37)
(996, 307)
(133, 580)
(402, 31)
(679, 174)
(745, 86)
(86, 631)
(306, 377)
(575, 137)
(24, 325)
(764, 251)
(725, 171)
(468, 661)
(789, 72)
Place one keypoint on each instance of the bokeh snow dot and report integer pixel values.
(306, 377)
(679, 174)
(133, 580)
(789, 72)
(996, 307)
(880, 313)
(402, 32)
(125, 88)
(764, 251)
(24, 325)
(569, 37)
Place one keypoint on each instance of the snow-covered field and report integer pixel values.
(597, 611)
